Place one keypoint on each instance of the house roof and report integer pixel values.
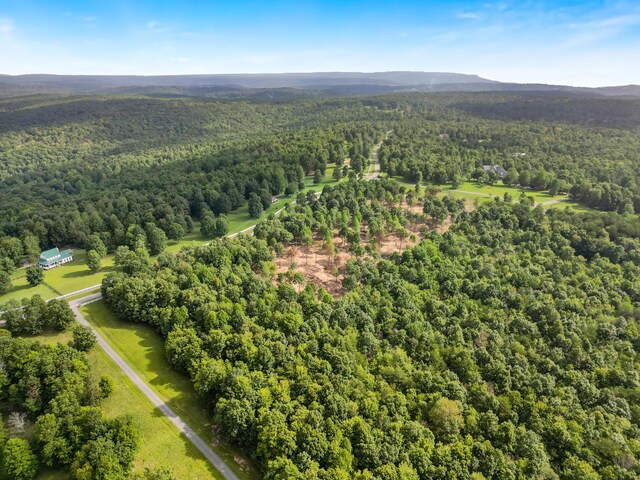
(54, 255)
(47, 254)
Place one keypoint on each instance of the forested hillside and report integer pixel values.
(505, 348)
(446, 339)
(75, 166)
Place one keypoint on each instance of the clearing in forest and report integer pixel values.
(319, 265)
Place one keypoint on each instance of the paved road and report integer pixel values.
(474, 193)
(66, 295)
(188, 432)
(557, 200)
(376, 163)
(193, 437)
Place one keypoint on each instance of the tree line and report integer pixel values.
(505, 348)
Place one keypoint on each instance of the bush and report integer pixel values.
(35, 275)
(5, 282)
(18, 461)
(83, 338)
(106, 386)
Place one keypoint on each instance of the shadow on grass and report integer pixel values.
(87, 272)
(19, 288)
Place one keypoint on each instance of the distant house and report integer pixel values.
(274, 199)
(497, 169)
(443, 136)
(54, 257)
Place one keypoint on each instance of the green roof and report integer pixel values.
(47, 254)
(53, 255)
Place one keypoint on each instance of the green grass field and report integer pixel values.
(498, 190)
(22, 289)
(76, 275)
(143, 349)
(162, 444)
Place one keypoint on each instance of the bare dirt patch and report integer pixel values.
(327, 271)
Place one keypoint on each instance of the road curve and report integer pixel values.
(188, 432)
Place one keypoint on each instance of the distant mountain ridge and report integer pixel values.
(332, 83)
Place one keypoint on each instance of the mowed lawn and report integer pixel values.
(143, 349)
(61, 280)
(22, 289)
(498, 190)
(162, 445)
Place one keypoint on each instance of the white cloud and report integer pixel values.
(601, 29)
(6, 25)
(469, 16)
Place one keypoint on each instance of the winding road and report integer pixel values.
(180, 424)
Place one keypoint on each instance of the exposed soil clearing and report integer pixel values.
(327, 271)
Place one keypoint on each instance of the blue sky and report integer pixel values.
(575, 42)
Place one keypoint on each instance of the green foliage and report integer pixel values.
(83, 338)
(35, 275)
(35, 315)
(255, 206)
(155, 474)
(58, 315)
(53, 385)
(156, 239)
(11, 251)
(94, 261)
(475, 354)
(221, 226)
(96, 244)
(130, 161)
(5, 282)
(133, 261)
(106, 386)
(18, 461)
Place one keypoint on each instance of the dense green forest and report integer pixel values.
(85, 166)
(597, 166)
(51, 400)
(505, 348)
(74, 166)
(497, 341)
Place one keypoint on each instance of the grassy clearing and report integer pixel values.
(569, 204)
(162, 444)
(61, 280)
(474, 198)
(498, 190)
(22, 289)
(76, 275)
(143, 349)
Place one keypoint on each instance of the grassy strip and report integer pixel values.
(143, 349)
(162, 445)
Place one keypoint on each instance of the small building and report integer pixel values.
(54, 257)
(497, 169)
(274, 199)
(443, 136)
